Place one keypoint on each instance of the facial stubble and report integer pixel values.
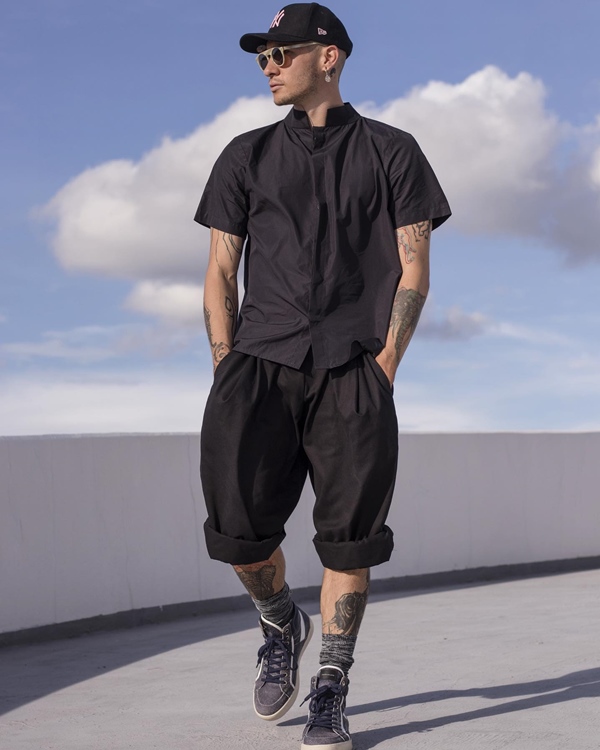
(299, 90)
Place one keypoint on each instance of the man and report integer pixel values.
(336, 213)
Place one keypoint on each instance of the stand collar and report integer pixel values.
(344, 115)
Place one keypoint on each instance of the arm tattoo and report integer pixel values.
(406, 310)
(229, 308)
(349, 611)
(421, 230)
(231, 312)
(405, 244)
(223, 326)
(258, 583)
(207, 323)
(231, 244)
(219, 349)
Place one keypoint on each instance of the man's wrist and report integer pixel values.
(386, 359)
(220, 351)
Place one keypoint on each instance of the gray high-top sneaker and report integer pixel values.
(327, 725)
(277, 683)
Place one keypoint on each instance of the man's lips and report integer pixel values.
(274, 85)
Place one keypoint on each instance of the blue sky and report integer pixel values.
(111, 114)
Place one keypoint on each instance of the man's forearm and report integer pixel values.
(221, 292)
(413, 248)
(220, 314)
(406, 310)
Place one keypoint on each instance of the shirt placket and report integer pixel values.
(315, 311)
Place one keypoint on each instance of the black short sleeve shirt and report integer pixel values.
(318, 207)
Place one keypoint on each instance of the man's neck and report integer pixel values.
(317, 111)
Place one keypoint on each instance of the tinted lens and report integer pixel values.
(263, 61)
(277, 54)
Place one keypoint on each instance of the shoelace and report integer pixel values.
(277, 658)
(322, 706)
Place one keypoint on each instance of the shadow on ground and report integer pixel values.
(30, 672)
(569, 687)
(34, 671)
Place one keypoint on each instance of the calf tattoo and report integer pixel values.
(259, 582)
(349, 611)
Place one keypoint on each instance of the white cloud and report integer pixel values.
(426, 413)
(574, 224)
(135, 220)
(491, 142)
(490, 138)
(595, 169)
(482, 389)
(452, 324)
(528, 334)
(177, 303)
(83, 345)
(574, 375)
(51, 402)
(53, 348)
(88, 345)
(145, 401)
(150, 400)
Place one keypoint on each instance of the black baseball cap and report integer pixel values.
(302, 22)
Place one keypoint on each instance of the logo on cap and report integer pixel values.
(322, 31)
(277, 19)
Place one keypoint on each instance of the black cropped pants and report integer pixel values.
(266, 426)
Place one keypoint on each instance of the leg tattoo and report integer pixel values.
(349, 611)
(257, 580)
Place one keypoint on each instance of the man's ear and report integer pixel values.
(332, 55)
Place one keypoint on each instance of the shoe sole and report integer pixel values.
(286, 707)
(346, 745)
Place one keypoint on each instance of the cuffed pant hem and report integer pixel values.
(364, 553)
(239, 551)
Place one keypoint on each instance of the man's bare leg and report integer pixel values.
(264, 579)
(343, 601)
(265, 582)
(286, 630)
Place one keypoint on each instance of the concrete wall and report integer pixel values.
(96, 525)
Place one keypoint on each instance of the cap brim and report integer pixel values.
(251, 42)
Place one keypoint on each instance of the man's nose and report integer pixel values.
(270, 68)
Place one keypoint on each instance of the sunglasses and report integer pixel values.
(277, 54)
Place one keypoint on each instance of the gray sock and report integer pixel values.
(277, 609)
(337, 650)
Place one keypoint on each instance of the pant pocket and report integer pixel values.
(379, 372)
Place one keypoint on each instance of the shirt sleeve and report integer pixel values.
(224, 202)
(416, 194)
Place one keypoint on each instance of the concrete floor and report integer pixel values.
(506, 665)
